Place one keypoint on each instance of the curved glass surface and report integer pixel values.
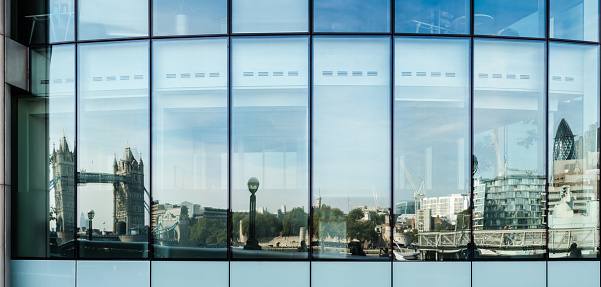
(351, 147)
(574, 19)
(189, 17)
(431, 154)
(573, 150)
(109, 19)
(189, 148)
(509, 149)
(351, 16)
(269, 16)
(269, 142)
(43, 197)
(113, 135)
(524, 18)
(432, 16)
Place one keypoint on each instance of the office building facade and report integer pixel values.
(300, 143)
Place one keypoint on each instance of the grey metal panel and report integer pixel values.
(17, 64)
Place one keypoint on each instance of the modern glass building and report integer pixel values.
(300, 143)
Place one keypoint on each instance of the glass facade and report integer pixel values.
(335, 141)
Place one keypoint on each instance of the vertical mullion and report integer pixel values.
(546, 94)
(310, 146)
(471, 139)
(75, 144)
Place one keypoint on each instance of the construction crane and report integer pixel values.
(417, 192)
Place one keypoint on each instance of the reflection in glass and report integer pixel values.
(108, 19)
(47, 273)
(431, 154)
(44, 184)
(432, 16)
(269, 142)
(351, 16)
(524, 18)
(351, 147)
(573, 150)
(270, 16)
(574, 19)
(112, 137)
(186, 17)
(509, 149)
(189, 211)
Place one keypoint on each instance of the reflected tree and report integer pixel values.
(293, 221)
(209, 232)
(327, 214)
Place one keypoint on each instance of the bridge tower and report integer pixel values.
(128, 195)
(64, 190)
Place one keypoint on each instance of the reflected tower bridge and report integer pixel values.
(129, 193)
(98, 177)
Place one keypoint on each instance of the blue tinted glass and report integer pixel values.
(351, 140)
(189, 17)
(113, 136)
(108, 19)
(351, 16)
(352, 274)
(573, 150)
(43, 206)
(113, 273)
(269, 141)
(25, 273)
(574, 19)
(431, 182)
(509, 18)
(502, 274)
(582, 273)
(189, 148)
(189, 273)
(270, 16)
(432, 16)
(290, 274)
(509, 148)
(449, 274)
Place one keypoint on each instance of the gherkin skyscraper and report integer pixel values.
(564, 148)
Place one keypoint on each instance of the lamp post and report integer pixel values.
(252, 243)
(90, 217)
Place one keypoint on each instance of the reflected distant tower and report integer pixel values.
(64, 190)
(128, 195)
(564, 147)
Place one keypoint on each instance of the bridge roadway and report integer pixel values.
(98, 177)
(559, 239)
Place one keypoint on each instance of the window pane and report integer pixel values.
(574, 19)
(44, 177)
(499, 274)
(351, 16)
(113, 273)
(432, 16)
(112, 137)
(351, 145)
(190, 273)
(290, 274)
(431, 154)
(509, 149)
(108, 19)
(189, 17)
(573, 150)
(270, 16)
(270, 143)
(47, 273)
(524, 18)
(189, 217)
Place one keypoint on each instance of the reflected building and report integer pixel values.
(515, 201)
(128, 195)
(63, 183)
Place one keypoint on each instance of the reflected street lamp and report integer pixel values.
(91, 214)
(252, 243)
